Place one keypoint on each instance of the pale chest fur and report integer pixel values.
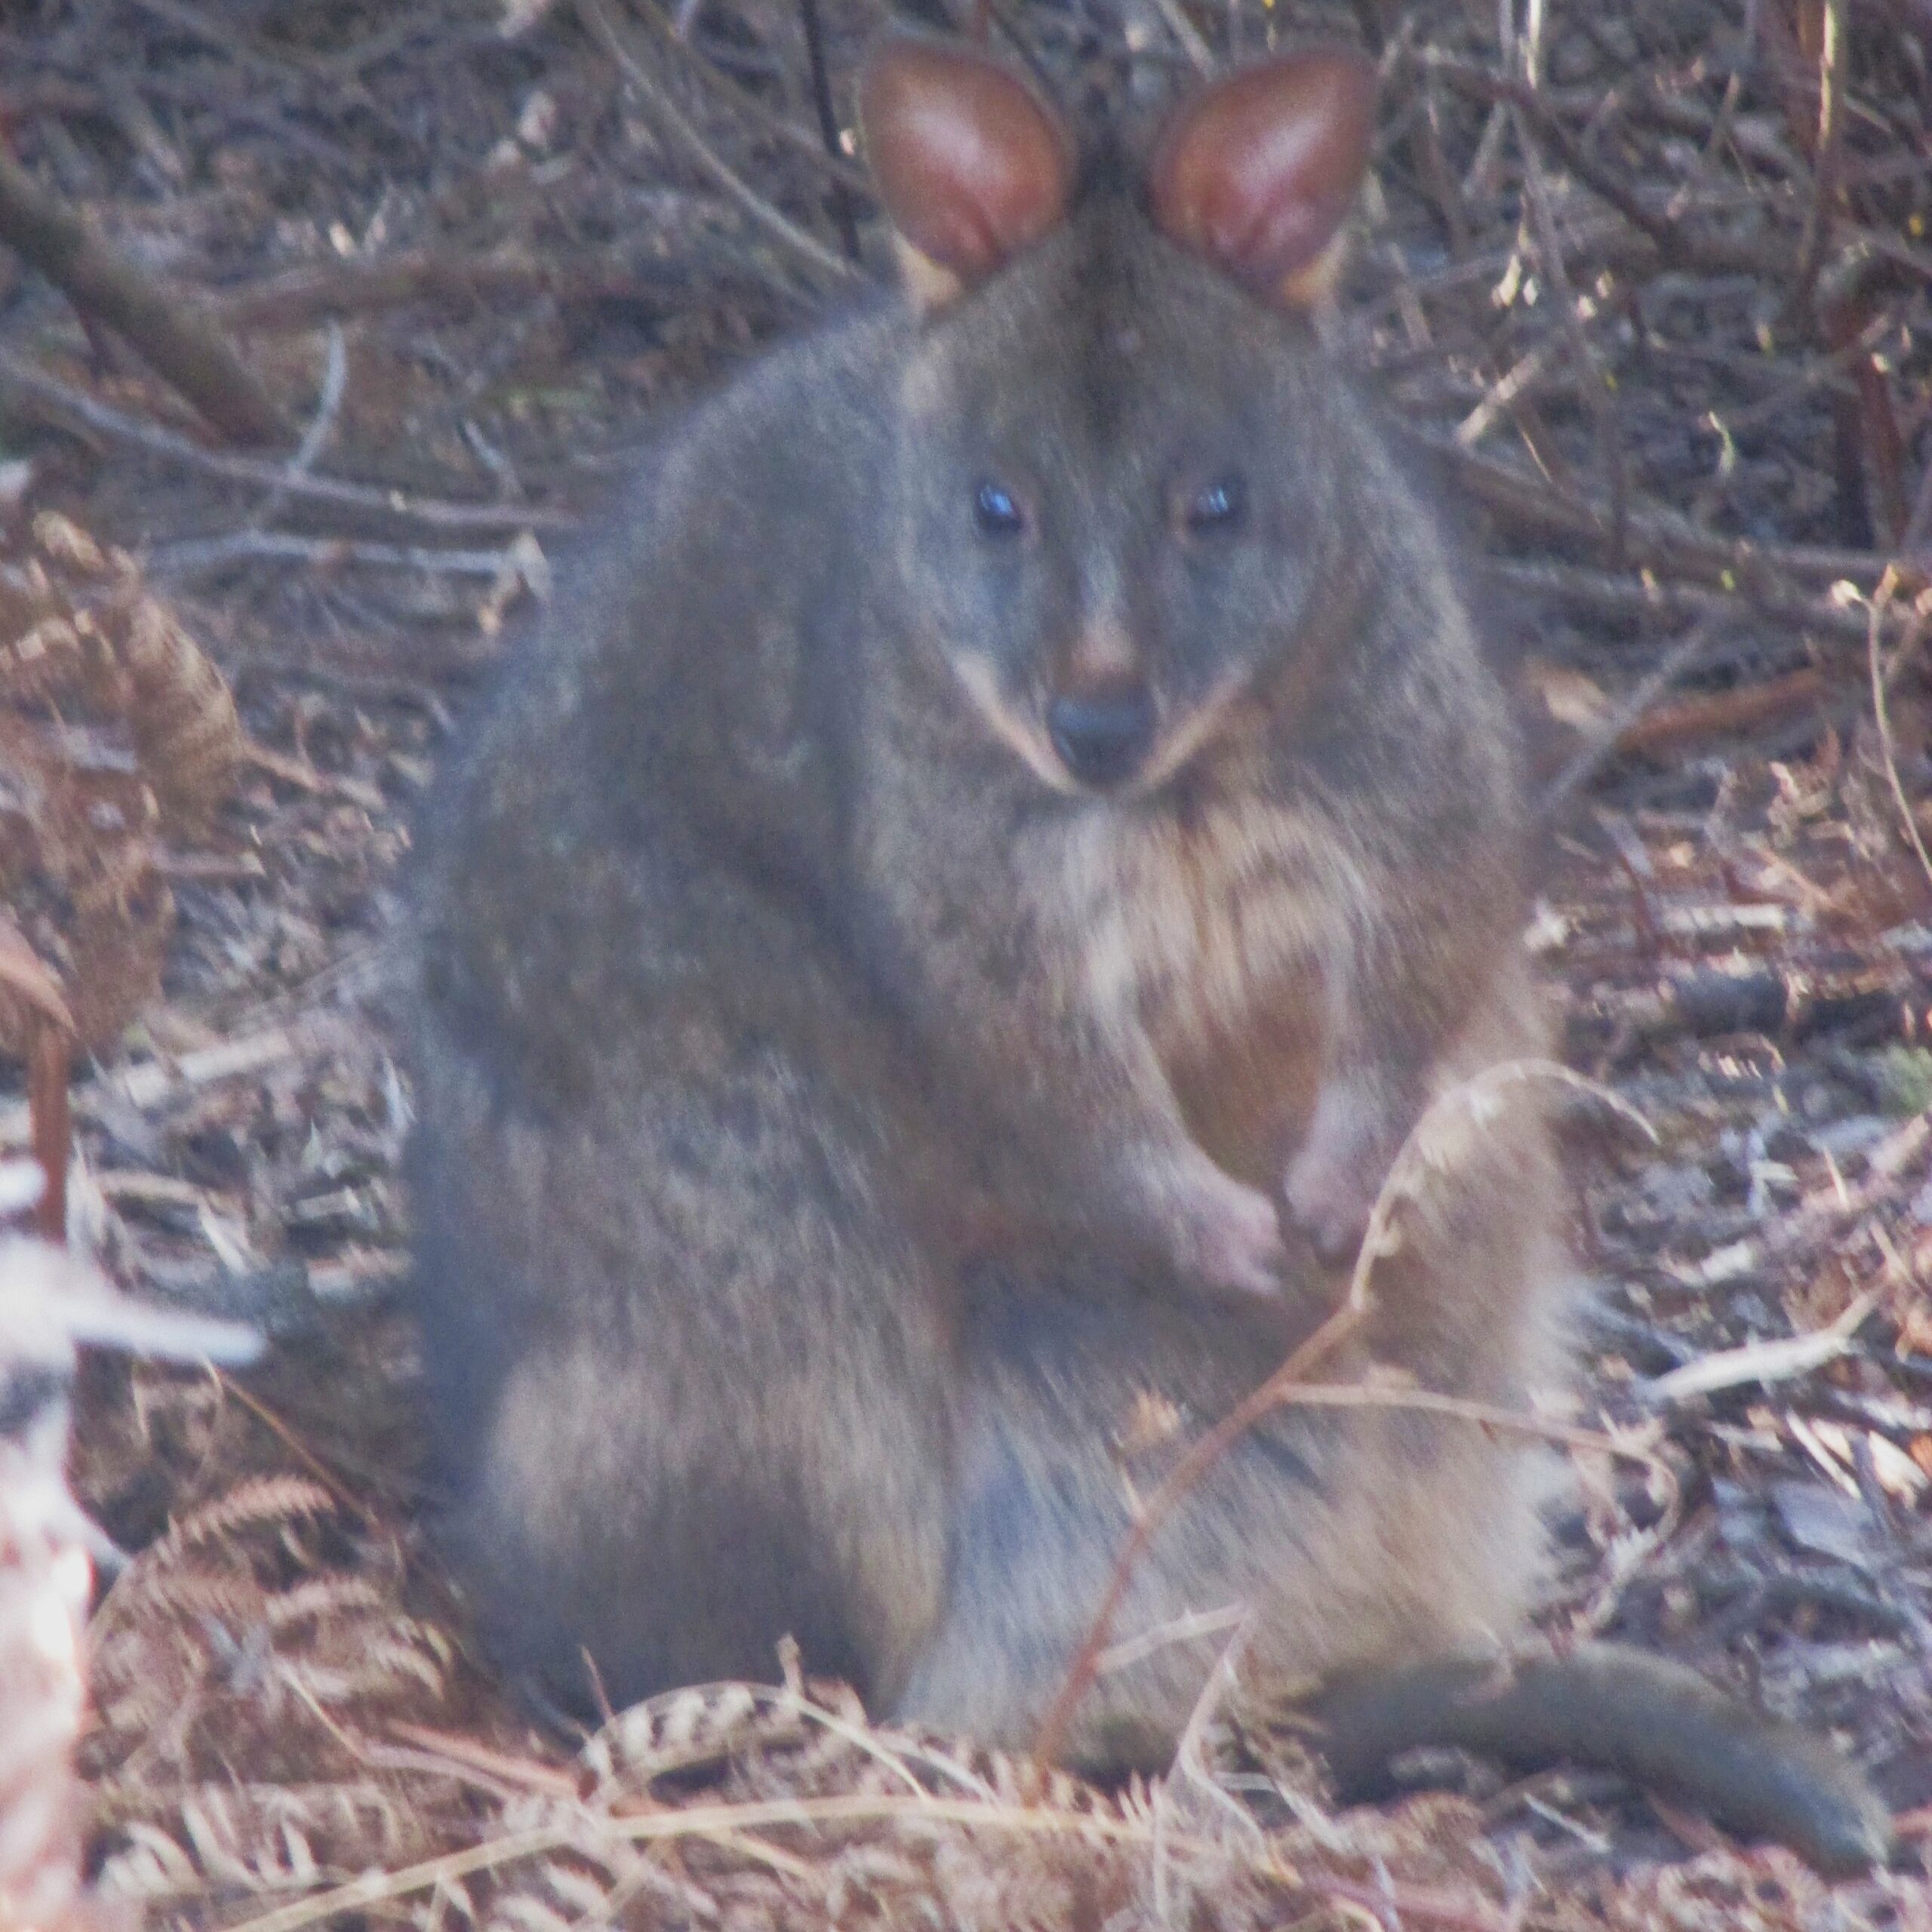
(1199, 929)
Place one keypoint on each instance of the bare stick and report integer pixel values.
(1596, 385)
(1677, 246)
(1608, 736)
(1743, 708)
(297, 297)
(1186, 36)
(171, 335)
(48, 1051)
(390, 506)
(1648, 595)
(801, 141)
(1661, 539)
(1206, 1449)
(195, 556)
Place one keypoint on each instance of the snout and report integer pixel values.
(1102, 737)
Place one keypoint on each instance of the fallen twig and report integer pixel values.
(1597, 394)
(1614, 733)
(321, 426)
(1604, 591)
(1742, 709)
(843, 174)
(1677, 246)
(842, 210)
(1655, 537)
(1826, 147)
(1289, 1382)
(1921, 613)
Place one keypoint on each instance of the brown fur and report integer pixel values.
(827, 1105)
(817, 1102)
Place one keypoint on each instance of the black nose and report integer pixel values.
(1103, 738)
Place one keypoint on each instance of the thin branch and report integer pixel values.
(195, 556)
(1663, 540)
(1887, 588)
(1646, 595)
(1001, 17)
(1289, 1382)
(321, 426)
(50, 1051)
(1745, 707)
(1678, 247)
(828, 125)
(833, 164)
(1608, 736)
(297, 297)
(1596, 386)
(1187, 36)
(1524, 373)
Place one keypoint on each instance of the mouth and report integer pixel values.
(1176, 747)
(1020, 732)
(1174, 743)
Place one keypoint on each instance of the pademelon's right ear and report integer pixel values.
(973, 166)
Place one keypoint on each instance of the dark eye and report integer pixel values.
(1216, 509)
(995, 513)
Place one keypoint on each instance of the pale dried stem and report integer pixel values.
(1407, 1174)
(1881, 599)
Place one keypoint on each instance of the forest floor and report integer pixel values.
(1652, 298)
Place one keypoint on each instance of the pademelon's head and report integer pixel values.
(1113, 481)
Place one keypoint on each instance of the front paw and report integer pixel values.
(1332, 1182)
(1222, 1235)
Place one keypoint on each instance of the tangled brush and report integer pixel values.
(116, 733)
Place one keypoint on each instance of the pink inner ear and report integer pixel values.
(973, 167)
(1257, 173)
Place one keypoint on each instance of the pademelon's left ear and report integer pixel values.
(1255, 175)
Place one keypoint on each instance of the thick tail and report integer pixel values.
(1658, 1723)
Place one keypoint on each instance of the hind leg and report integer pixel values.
(1350, 1537)
(691, 1362)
